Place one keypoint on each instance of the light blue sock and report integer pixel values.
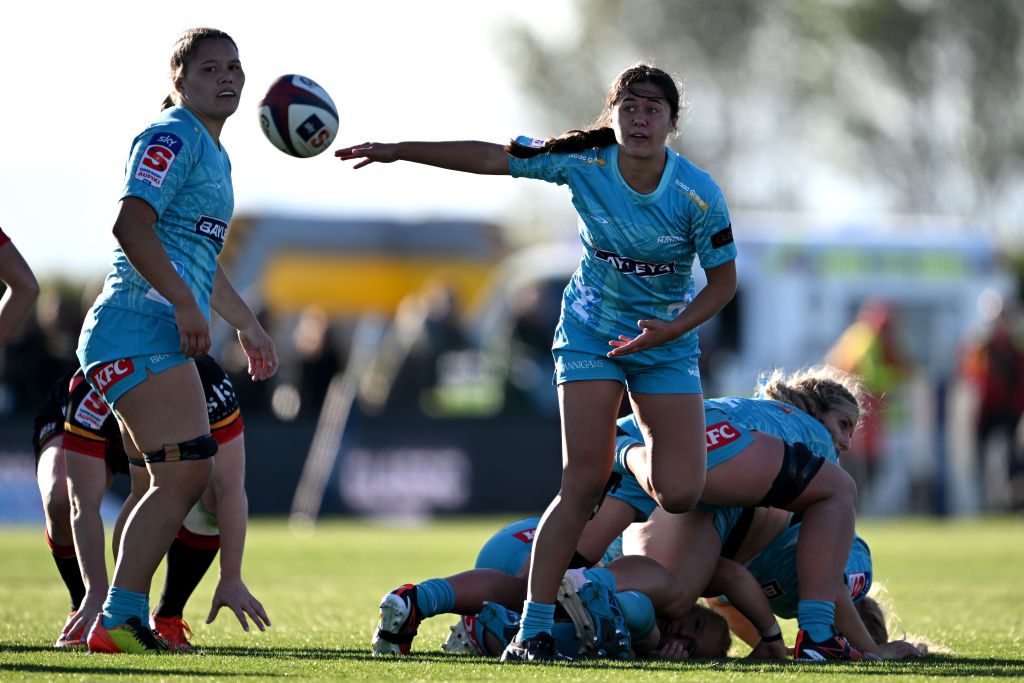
(434, 596)
(537, 618)
(817, 617)
(145, 612)
(603, 576)
(121, 605)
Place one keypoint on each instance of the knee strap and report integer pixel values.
(200, 448)
(799, 465)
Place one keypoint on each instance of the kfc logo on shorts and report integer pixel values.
(92, 412)
(109, 374)
(526, 535)
(857, 582)
(721, 434)
(156, 160)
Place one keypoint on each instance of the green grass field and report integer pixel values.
(958, 584)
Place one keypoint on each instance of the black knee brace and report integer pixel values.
(199, 448)
(799, 465)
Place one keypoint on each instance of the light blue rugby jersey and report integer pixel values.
(728, 421)
(177, 168)
(774, 568)
(638, 249)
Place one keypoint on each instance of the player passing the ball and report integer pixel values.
(151, 320)
(644, 212)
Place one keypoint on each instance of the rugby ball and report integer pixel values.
(298, 116)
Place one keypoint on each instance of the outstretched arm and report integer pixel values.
(21, 294)
(232, 507)
(469, 156)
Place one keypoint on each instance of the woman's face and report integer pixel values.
(702, 636)
(212, 81)
(841, 427)
(642, 120)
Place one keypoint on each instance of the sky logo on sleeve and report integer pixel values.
(160, 153)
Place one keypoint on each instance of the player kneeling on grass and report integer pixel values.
(79, 449)
(766, 542)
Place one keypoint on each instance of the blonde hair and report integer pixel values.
(816, 390)
(873, 616)
(891, 624)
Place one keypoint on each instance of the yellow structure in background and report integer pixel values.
(348, 285)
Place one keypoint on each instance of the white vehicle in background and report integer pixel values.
(801, 283)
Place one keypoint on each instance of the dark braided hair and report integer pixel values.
(601, 134)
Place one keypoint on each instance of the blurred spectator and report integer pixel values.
(871, 349)
(40, 352)
(317, 358)
(992, 364)
(530, 365)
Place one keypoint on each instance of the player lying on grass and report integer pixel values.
(79, 449)
(780, 451)
(767, 453)
(603, 622)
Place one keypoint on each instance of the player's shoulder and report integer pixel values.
(176, 129)
(595, 158)
(692, 181)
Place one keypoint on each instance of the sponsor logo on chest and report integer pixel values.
(211, 227)
(629, 266)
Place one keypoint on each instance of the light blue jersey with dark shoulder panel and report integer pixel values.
(177, 168)
(774, 568)
(638, 249)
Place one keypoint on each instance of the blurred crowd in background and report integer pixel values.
(429, 364)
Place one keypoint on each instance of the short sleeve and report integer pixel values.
(158, 167)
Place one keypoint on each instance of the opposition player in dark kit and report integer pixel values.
(79, 450)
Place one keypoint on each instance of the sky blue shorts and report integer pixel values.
(580, 356)
(508, 548)
(118, 349)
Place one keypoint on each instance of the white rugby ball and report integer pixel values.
(298, 116)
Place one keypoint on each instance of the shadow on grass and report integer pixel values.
(939, 666)
(932, 665)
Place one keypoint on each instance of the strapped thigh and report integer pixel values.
(199, 448)
(799, 465)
